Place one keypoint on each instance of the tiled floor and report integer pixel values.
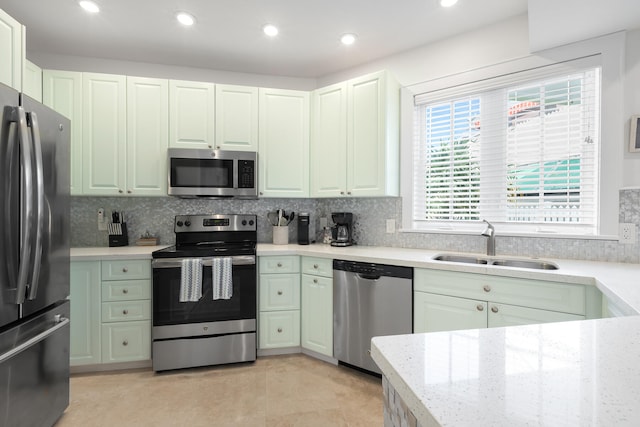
(292, 390)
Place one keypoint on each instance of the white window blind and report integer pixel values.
(522, 149)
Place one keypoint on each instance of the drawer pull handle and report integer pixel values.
(315, 280)
(480, 307)
(125, 343)
(494, 309)
(125, 291)
(125, 312)
(315, 266)
(125, 269)
(279, 330)
(279, 292)
(279, 264)
(487, 288)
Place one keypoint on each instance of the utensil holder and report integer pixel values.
(281, 235)
(118, 235)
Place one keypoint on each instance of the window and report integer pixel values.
(520, 151)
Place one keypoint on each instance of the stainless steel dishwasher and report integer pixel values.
(369, 300)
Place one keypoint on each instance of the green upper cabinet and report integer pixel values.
(104, 134)
(329, 142)
(236, 121)
(12, 51)
(355, 143)
(147, 136)
(191, 114)
(32, 80)
(283, 149)
(62, 91)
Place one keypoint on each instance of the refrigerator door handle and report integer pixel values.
(32, 119)
(28, 221)
(61, 322)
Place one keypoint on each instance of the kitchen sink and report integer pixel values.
(502, 262)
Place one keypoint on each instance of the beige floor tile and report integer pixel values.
(291, 390)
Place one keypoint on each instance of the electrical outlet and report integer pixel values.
(627, 233)
(391, 226)
(102, 221)
(323, 222)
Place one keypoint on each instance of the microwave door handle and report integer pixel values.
(40, 203)
(27, 222)
(235, 174)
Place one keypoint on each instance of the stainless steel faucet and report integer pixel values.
(490, 233)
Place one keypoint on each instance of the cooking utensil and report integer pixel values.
(273, 218)
(291, 216)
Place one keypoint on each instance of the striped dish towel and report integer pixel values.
(191, 280)
(222, 278)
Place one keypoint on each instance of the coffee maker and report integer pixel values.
(342, 232)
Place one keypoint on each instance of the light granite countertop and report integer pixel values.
(583, 373)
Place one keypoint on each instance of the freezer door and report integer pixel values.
(9, 206)
(34, 369)
(52, 282)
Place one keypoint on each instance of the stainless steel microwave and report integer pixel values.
(212, 173)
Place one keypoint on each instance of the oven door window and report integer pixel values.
(201, 173)
(168, 310)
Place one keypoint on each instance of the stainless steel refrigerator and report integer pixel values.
(34, 262)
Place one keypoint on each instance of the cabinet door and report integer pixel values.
(32, 80)
(433, 313)
(373, 136)
(317, 314)
(62, 91)
(191, 114)
(85, 313)
(126, 341)
(283, 152)
(279, 292)
(104, 134)
(329, 142)
(236, 118)
(11, 51)
(147, 136)
(511, 315)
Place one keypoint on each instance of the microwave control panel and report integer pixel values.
(246, 174)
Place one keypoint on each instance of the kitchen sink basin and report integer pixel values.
(502, 262)
(461, 258)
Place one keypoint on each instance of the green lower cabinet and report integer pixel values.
(434, 313)
(85, 313)
(279, 329)
(317, 314)
(126, 341)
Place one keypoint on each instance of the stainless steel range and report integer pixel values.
(204, 293)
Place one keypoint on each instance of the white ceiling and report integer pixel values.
(228, 36)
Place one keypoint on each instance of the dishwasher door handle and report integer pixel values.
(368, 276)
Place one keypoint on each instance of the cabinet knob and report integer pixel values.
(120, 191)
(315, 266)
(218, 147)
(125, 269)
(494, 309)
(342, 193)
(125, 343)
(261, 193)
(487, 288)
(348, 193)
(279, 264)
(125, 291)
(480, 307)
(209, 146)
(129, 191)
(125, 312)
(279, 330)
(315, 280)
(279, 292)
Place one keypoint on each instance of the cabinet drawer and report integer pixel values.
(508, 315)
(279, 264)
(317, 266)
(126, 290)
(126, 269)
(279, 329)
(547, 295)
(126, 341)
(279, 292)
(124, 311)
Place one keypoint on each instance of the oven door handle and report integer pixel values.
(206, 261)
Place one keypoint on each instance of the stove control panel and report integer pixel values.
(200, 223)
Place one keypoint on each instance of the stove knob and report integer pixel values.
(179, 223)
(251, 222)
(187, 223)
(244, 222)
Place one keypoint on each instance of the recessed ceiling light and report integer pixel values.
(185, 18)
(89, 6)
(448, 3)
(270, 30)
(348, 39)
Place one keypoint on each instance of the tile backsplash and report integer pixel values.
(156, 215)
